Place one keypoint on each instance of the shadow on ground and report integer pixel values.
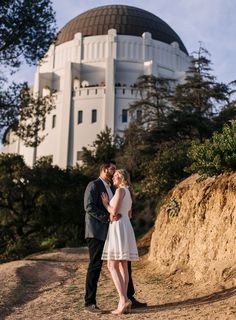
(33, 279)
(208, 299)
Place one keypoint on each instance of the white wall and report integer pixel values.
(102, 61)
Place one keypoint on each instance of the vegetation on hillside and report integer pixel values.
(215, 155)
(40, 207)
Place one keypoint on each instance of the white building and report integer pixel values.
(93, 65)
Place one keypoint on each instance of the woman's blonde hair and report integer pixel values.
(125, 179)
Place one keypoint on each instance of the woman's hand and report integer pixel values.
(115, 217)
(105, 199)
(130, 213)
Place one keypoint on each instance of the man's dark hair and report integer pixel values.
(106, 164)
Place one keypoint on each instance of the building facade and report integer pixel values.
(92, 68)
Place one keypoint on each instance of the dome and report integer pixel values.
(125, 19)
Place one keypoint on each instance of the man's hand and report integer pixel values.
(105, 199)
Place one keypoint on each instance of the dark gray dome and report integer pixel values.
(125, 19)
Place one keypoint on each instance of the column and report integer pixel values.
(109, 106)
(65, 117)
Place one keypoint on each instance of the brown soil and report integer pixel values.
(51, 286)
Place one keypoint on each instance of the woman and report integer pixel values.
(120, 245)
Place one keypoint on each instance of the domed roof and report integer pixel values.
(125, 19)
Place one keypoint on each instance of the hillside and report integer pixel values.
(198, 235)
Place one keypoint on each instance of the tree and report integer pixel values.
(32, 117)
(38, 206)
(15, 204)
(215, 155)
(196, 100)
(27, 113)
(27, 30)
(150, 113)
(154, 102)
(228, 111)
(104, 148)
(166, 168)
(134, 151)
(9, 106)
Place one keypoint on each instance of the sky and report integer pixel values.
(210, 21)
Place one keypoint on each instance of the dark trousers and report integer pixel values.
(95, 247)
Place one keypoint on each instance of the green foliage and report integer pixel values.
(215, 155)
(154, 102)
(196, 100)
(39, 203)
(165, 169)
(173, 207)
(104, 148)
(226, 115)
(155, 147)
(47, 243)
(172, 118)
(31, 26)
(27, 29)
(19, 248)
(9, 107)
(143, 211)
(32, 115)
(31, 111)
(134, 151)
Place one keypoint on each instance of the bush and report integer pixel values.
(166, 169)
(40, 207)
(215, 155)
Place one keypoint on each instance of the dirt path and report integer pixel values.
(51, 286)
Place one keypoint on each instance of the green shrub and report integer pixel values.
(215, 155)
(173, 208)
(40, 207)
(166, 169)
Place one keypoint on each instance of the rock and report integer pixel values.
(195, 231)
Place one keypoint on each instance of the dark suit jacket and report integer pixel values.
(96, 217)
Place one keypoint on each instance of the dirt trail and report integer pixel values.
(51, 286)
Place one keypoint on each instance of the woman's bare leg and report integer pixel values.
(125, 274)
(114, 268)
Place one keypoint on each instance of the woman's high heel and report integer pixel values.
(125, 309)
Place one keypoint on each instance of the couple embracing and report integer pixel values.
(110, 236)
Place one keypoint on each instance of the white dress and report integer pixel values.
(120, 243)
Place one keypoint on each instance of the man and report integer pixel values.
(96, 226)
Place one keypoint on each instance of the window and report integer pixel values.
(79, 155)
(94, 116)
(54, 121)
(80, 116)
(124, 115)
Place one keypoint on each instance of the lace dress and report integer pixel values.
(120, 243)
